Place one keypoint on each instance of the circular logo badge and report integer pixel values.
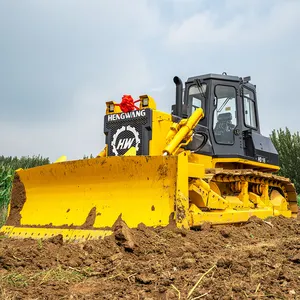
(125, 138)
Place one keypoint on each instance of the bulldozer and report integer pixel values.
(206, 161)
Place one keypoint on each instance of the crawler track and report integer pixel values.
(256, 180)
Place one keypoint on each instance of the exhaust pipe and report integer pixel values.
(179, 91)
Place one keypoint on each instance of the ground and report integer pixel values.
(255, 260)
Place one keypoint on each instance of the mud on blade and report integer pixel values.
(91, 194)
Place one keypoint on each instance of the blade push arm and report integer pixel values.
(182, 131)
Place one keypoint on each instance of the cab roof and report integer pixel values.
(220, 77)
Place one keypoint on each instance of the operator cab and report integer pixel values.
(230, 127)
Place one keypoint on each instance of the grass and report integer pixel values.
(11, 282)
(23, 162)
(14, 279)
(58, 274)
(6, 177)
(14, 283)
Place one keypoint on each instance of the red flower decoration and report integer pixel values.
(127, 103)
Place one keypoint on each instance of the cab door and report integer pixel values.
(225, 120)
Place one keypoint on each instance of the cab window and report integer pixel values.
(224, 119)
(249, 108)
(196, 97)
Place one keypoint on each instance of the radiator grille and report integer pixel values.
(126, 133)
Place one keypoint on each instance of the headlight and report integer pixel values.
(145, 102)
(111, 107)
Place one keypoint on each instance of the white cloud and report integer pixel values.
(214, 28)
(71, 57)
(257, 38)
(158, 89)
(81, 131)
(201, 29)
(128, 75)
(97, 51)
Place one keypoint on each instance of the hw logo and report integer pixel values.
(125, 143)
(124, 138)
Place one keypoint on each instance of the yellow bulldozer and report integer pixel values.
(206, 161)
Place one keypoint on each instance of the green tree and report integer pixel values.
(288, 147)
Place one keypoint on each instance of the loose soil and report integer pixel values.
(255, 260)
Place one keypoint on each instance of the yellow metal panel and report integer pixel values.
(103, 152)
(234, 202)
(117, 108)
(228, 216)
(202, 190)
(196, 170)
(196, 196)
(131, 152)
(45, 233)
(182, 192)
(278, 201)
(245, 162)
(287, 214)
(61, 159)
(244, 195)
(151, 102)
(160, 127)
(140, 188)
(201, 159)
(215, 201)
(256, 199)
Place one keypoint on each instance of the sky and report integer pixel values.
(60, 61)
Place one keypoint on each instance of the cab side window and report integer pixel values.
(249, 108)
(196, 103)
(225, 113)
(196, 97)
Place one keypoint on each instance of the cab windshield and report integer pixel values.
(196, 96)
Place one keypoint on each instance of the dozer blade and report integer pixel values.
(83, 199)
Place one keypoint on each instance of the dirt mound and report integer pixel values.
(254, 260)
